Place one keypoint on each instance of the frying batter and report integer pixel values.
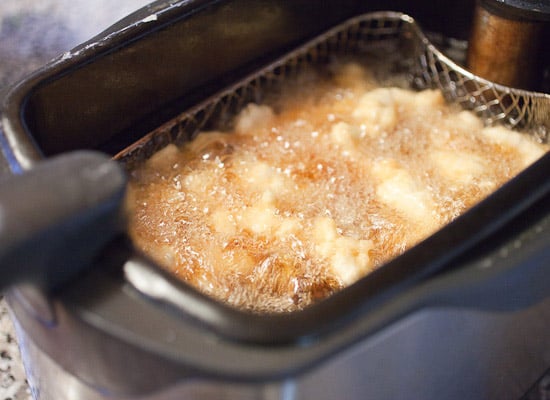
(312, 192)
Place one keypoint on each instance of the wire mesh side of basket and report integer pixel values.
(426, 67)
(493, 103)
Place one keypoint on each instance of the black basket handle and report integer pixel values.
(56, 217)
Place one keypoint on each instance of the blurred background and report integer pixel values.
(33, 32)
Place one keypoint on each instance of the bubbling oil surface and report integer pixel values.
(303, 196)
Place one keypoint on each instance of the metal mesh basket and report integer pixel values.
(494, 103)
(392, 35)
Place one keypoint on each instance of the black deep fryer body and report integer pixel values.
(421, 334)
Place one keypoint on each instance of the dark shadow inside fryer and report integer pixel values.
(131, 85)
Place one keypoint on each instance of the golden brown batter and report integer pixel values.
(309, 194)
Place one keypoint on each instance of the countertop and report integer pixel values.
(33, 32)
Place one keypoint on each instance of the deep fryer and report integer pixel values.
(423, 326)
